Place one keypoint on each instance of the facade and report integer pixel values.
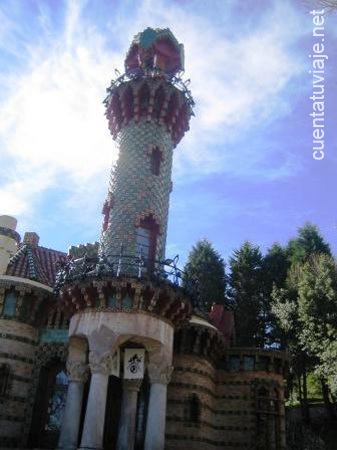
(102, 348)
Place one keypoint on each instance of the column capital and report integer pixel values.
(159, 374)
(132, 385)
(99, 363)
(77, 371)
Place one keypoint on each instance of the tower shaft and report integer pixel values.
(148, 109)
(140, 189)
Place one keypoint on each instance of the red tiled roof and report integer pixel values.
(35, 263)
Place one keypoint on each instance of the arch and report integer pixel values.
(46, 355)
(49, 405)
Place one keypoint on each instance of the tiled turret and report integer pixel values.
(148, 109)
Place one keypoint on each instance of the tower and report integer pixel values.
(148, 109)
(89, 340)
(122, 301)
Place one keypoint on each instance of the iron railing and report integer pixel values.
(175, 79)
(136, 266)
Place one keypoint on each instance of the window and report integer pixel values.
(10, 304)
(193, 411)
(248, 363)
(4, 376)
(143, 242)
(146, 238)
(234, 363)
(156, 158)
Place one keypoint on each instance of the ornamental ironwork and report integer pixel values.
(175, 79)
(136, 266)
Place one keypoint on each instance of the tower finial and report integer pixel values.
(155, 49)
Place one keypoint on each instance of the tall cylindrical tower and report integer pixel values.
(148, 109)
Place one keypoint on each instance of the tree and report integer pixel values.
(317, 307)
(308, 242)
(288, 304)
(245, 291)
(206, 265)
(275, 266)
(285, 309)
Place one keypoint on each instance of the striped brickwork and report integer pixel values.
(227, 383)
(19, 338)
(17, 351)
(192, 376)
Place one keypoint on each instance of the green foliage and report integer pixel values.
(246, 290)
(314, 388)
(287, 298)
(206, 265)
(275, 266)
(317, 308)
(307, 243)
(304, 302)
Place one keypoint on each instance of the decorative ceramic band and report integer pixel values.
(10, 233)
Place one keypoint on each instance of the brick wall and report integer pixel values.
(17, 350)
(194, 378)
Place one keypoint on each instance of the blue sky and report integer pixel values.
(245, 169)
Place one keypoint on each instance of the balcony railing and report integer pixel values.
(175, 79)
(136, 266)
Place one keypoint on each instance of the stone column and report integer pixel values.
(127, 422)
(156, 416)
(77, 375)
(92, 436)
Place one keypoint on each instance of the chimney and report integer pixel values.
(9, 240)
(31, 238)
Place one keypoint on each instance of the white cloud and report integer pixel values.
(52, 123)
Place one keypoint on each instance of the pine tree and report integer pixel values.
(206, 265)
(275, 266)
(308, 242)
(246, 291)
